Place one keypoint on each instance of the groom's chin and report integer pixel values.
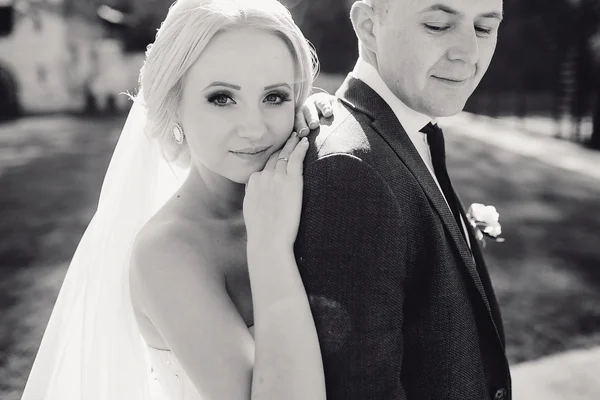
(445, 109)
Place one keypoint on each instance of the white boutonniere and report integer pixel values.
(484, 220)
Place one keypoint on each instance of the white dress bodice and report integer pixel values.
(168, 380)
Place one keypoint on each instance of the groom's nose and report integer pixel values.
(465, 46)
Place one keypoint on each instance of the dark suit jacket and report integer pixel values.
(403, 309)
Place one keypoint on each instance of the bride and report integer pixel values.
(185, 286)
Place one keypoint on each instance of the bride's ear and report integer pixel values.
(363, 17)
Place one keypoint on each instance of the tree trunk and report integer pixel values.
(595, 138)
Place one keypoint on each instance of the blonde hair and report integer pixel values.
(185, 33)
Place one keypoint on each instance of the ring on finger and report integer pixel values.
(282, 159)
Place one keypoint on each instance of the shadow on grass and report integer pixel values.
(547, 273)
(49, 194)
(45, 205)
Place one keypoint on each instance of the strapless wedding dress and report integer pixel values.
(168, 380)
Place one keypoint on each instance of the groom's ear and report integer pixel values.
(363, 17)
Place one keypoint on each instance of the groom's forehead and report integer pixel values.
(382, 7)
(418, 5)
(379, 5)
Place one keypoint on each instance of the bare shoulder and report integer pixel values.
(168, 252)
(164, 237)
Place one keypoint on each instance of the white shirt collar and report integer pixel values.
(411, 120)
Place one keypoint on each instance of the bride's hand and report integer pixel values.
(273, 199)
(307, 117)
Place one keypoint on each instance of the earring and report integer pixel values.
(177, 133)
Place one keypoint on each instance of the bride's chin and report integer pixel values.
(241, 177)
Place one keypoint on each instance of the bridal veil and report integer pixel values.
(92, 348)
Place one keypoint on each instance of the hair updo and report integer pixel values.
(185, 33)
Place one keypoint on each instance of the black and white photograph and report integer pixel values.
(299, 199)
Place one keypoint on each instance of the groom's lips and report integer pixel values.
(452, 81)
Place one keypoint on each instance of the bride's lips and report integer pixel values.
(250, 152)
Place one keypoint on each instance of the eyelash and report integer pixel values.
(485, 31)
(441, 29)
(437, 29)
(213, 98)
(284, 96)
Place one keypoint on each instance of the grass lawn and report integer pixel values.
(45, 205)
(547, 273)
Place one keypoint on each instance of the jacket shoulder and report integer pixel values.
(347, 131)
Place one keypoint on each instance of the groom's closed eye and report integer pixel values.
(436, 28)
(482, 31)
(442, 18)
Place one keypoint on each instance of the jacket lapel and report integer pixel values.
(361, 97)
(483, 273)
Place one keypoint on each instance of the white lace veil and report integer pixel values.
(92, 348)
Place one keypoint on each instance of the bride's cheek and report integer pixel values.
(280, 135)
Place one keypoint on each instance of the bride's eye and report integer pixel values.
(277, 98)
(221, 99)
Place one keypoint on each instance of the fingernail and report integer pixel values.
(314, 125)
(294, 135)
(303, 130)
(304, 140)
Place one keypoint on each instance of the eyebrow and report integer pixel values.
(448, 10)
(225, 84)
(277, 85)
(236, 87)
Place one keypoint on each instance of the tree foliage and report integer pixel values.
(325, 23)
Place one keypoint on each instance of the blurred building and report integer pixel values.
(53, 60)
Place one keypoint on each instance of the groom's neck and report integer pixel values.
(369, 57)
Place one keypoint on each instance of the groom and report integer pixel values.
(400, 293)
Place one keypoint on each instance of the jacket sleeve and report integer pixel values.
(351, 253)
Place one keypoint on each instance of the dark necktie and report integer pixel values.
(435, 139)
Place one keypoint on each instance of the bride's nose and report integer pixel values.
(253, 125)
